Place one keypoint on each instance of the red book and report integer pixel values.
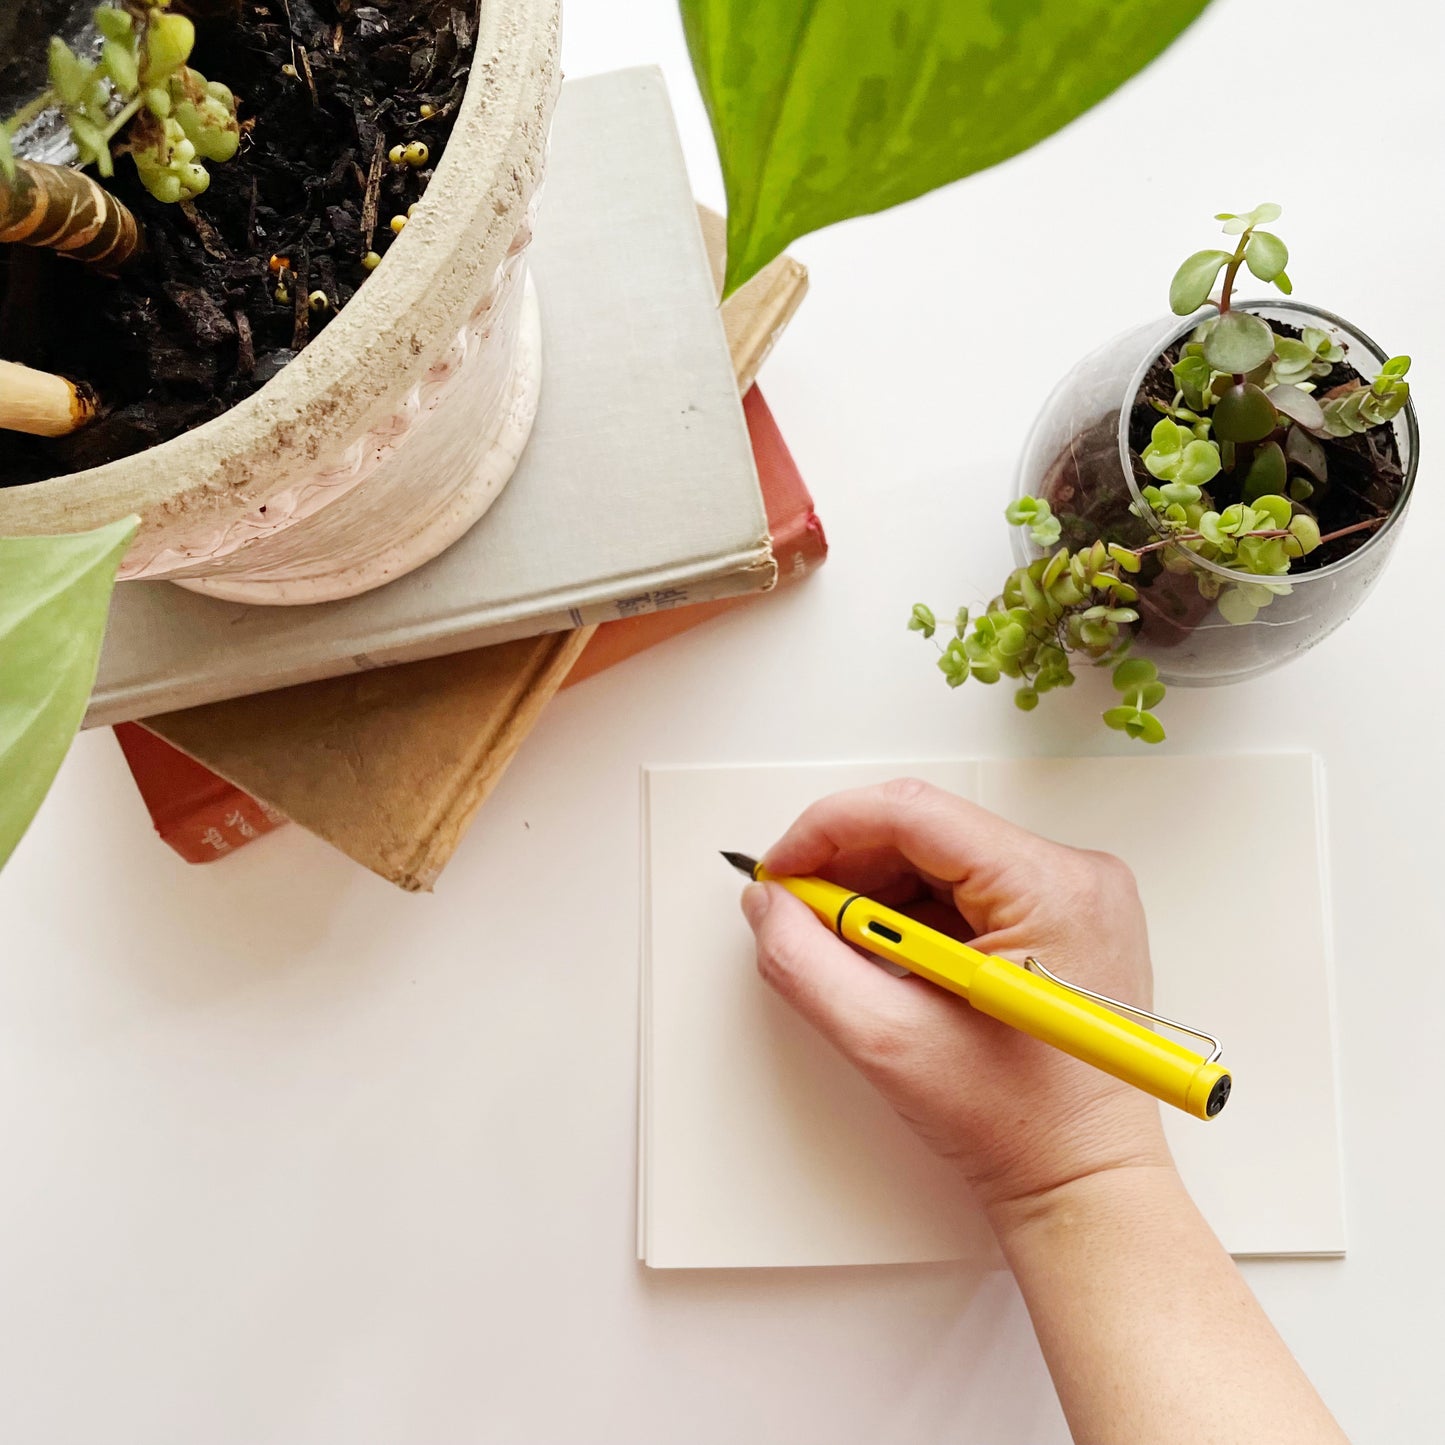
(203, 817)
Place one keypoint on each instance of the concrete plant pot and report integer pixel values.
(398, 426)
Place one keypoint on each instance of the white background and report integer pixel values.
(288, 1156)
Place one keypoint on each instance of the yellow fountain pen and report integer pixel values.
(1026, 996)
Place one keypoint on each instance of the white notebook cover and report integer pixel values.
(760, 1146)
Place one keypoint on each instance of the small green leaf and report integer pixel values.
(114, 24)
(1306, 532)
(1129, 561)
(1236, 607)
(1133, 674)
(1198, 465)
(168, 45)
(1396, 366)
(1194, 280)
(922, 620)
(7, 155)
(1298, 405)
(1026, 699)
(1266, 255)
(1284, 283)
(1267, 476)
(1244, 414)
(1277, 510)
(121, 66)
(53, 609)
(69, 74)
(1238, 342)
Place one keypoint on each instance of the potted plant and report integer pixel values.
(820, 113)
(1199, 500)
(368, 238)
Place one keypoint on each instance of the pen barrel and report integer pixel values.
(1099, 1036)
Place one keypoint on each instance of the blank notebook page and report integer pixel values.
(760, 1146)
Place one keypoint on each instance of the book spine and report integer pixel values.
(201, 816)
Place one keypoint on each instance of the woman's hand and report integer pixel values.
(1019, 1117)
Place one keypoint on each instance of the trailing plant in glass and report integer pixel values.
(1234, 463)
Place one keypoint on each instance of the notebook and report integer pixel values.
(758, 1146)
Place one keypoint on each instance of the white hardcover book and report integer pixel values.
(759, 1145)
(637, 490)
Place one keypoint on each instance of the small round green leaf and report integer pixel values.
(1026, 699)
(1238, 342)
(1235, 607)
(1298, 405)
(1134, 672)
(1267, 475)
(1244, 413)
(1266, 255)
(1194, 280)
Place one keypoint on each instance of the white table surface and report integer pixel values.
(288, 1156)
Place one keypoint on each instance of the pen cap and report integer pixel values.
(1097, 1035)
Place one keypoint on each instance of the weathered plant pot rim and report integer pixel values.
(1172, 331)
(352, 374)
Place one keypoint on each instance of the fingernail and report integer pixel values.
(755, 903)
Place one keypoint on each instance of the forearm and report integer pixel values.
(1148, 1329)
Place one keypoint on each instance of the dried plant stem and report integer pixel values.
(42, 405)
(65, 211)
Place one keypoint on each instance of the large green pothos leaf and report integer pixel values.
(54, 599)
(825, 109)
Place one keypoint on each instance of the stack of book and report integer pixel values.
(649, 501)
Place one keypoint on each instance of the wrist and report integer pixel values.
(1118, 1196)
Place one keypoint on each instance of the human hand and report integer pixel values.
(1020, 1118)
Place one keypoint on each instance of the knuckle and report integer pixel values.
(1114, 874)
(778, 958)
(909, 792)
(879, 1046)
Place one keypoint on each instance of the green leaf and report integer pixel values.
(1244, 414)
(114, 24)
(1236, 607)
(7, 155)
(826, 109)
(922, 620)
(120, 64)
(1395, 366)
(1026, 699)
(1298, 405)
(1261, 215)
(1266, 255)
(1238, 342)
(1194, 280)
(69, 74)
(53, 608)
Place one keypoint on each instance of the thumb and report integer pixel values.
(853, 1003)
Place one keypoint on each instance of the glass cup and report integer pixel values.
(1077, 458)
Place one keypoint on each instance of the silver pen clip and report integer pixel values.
(1216, 1048)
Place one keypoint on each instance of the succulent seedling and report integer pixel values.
(1236, 456)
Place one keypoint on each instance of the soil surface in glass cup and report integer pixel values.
(1084, 487)
(325, 89)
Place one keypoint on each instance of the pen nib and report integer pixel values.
(742, 862)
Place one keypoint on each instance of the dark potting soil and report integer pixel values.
(193, 325)
(1365, 476)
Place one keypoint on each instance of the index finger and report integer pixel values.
(938, 833)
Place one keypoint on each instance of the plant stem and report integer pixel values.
(122, 119)
(1232, 270)
(27, 113)
(1367, 525)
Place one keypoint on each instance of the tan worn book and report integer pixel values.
(391, 766)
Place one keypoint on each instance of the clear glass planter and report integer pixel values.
(1077, 457)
